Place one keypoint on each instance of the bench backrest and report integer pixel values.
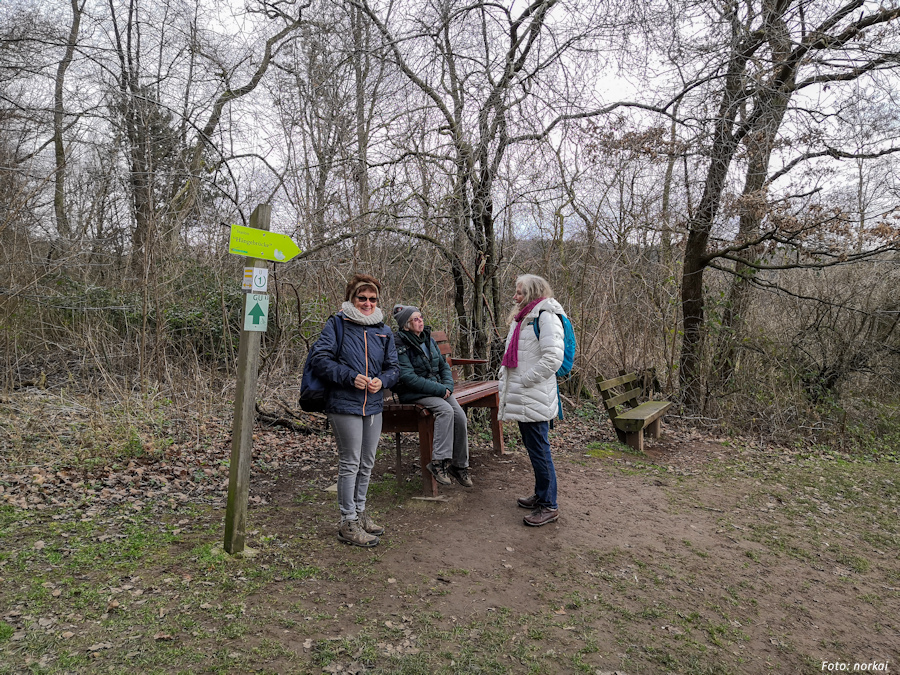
(618, 391)
(443, 342)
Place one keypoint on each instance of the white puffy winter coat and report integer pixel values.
(528, 392)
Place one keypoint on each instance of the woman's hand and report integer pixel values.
(447, 393)
(374, 385)
(361, 381)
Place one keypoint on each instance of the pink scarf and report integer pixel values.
(511, 357)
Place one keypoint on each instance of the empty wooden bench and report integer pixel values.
(631, 424)
(399, 417)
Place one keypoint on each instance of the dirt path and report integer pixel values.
(670, 562)
(705, 555)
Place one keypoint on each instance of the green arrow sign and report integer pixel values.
(255, 243)
(256, 312)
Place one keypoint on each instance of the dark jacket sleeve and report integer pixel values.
(390, 368)
(324, 358)
(413, 383)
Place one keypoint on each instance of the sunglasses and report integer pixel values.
(364, 298)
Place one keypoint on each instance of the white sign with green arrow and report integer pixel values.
(256, 312)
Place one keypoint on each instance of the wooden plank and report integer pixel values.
(466, 362)
(622, 398)
(497, 429)
(635, 440)
(650, 409)
(637, 418)
(616, 381)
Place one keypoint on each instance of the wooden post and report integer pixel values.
(244, 414)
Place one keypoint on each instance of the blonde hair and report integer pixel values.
(533, 287)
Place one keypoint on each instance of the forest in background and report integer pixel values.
(710, 187)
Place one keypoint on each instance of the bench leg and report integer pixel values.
(635, 440)
(497, 432)
(652, 429)
(426, 443)
(398, 470)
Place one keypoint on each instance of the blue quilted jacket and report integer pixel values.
(368, 350)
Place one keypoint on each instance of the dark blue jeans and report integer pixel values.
(535, 436)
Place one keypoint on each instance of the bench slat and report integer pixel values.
(622, 398)
(616, 381)
(637, 418)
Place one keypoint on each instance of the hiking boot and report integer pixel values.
(529, 503)
(541, 516)
(461, 474)
(438, 469)
(369, 525)
(350, 532)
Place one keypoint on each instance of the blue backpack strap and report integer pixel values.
(537, 334)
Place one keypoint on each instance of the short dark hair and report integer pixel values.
(360, 281)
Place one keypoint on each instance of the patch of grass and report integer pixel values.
(611, 449)
(306, 497)
(6, 631)
(305, 572)
(389, 488)
(856, 563)
(702, 554)
(453, 571)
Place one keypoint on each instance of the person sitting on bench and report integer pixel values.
(426, 379)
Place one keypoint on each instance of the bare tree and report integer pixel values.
(774, 50)
(477, 65)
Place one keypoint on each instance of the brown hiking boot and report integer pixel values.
(369, 525)
(438, 469)
(528, 502)
(541, 516)
(461, 474)
(350, 532)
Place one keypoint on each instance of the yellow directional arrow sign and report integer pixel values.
(255, 243)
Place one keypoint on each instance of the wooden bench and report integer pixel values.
(400, 417)
(640, 417)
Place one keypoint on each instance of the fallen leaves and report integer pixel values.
(98, 646)
(189, 473)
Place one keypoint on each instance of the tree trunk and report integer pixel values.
(63, 229)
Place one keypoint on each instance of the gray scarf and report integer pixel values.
(350, 311)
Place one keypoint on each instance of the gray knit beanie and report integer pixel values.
(401, 314)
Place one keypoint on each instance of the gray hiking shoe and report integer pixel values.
(438, 469)
(529, 503)
(369, 525)
(350, 532)
(461, 474)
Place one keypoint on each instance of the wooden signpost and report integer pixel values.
(244, 404)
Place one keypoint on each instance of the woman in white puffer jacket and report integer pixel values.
(528, 390)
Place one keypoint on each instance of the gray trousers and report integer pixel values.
(451, 436)
(357, 439)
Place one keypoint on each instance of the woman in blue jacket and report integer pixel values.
(357, 359)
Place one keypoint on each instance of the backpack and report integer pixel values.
(568, 343)
(312, 389)
(568, 352)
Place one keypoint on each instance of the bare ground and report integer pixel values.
(705, 555)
